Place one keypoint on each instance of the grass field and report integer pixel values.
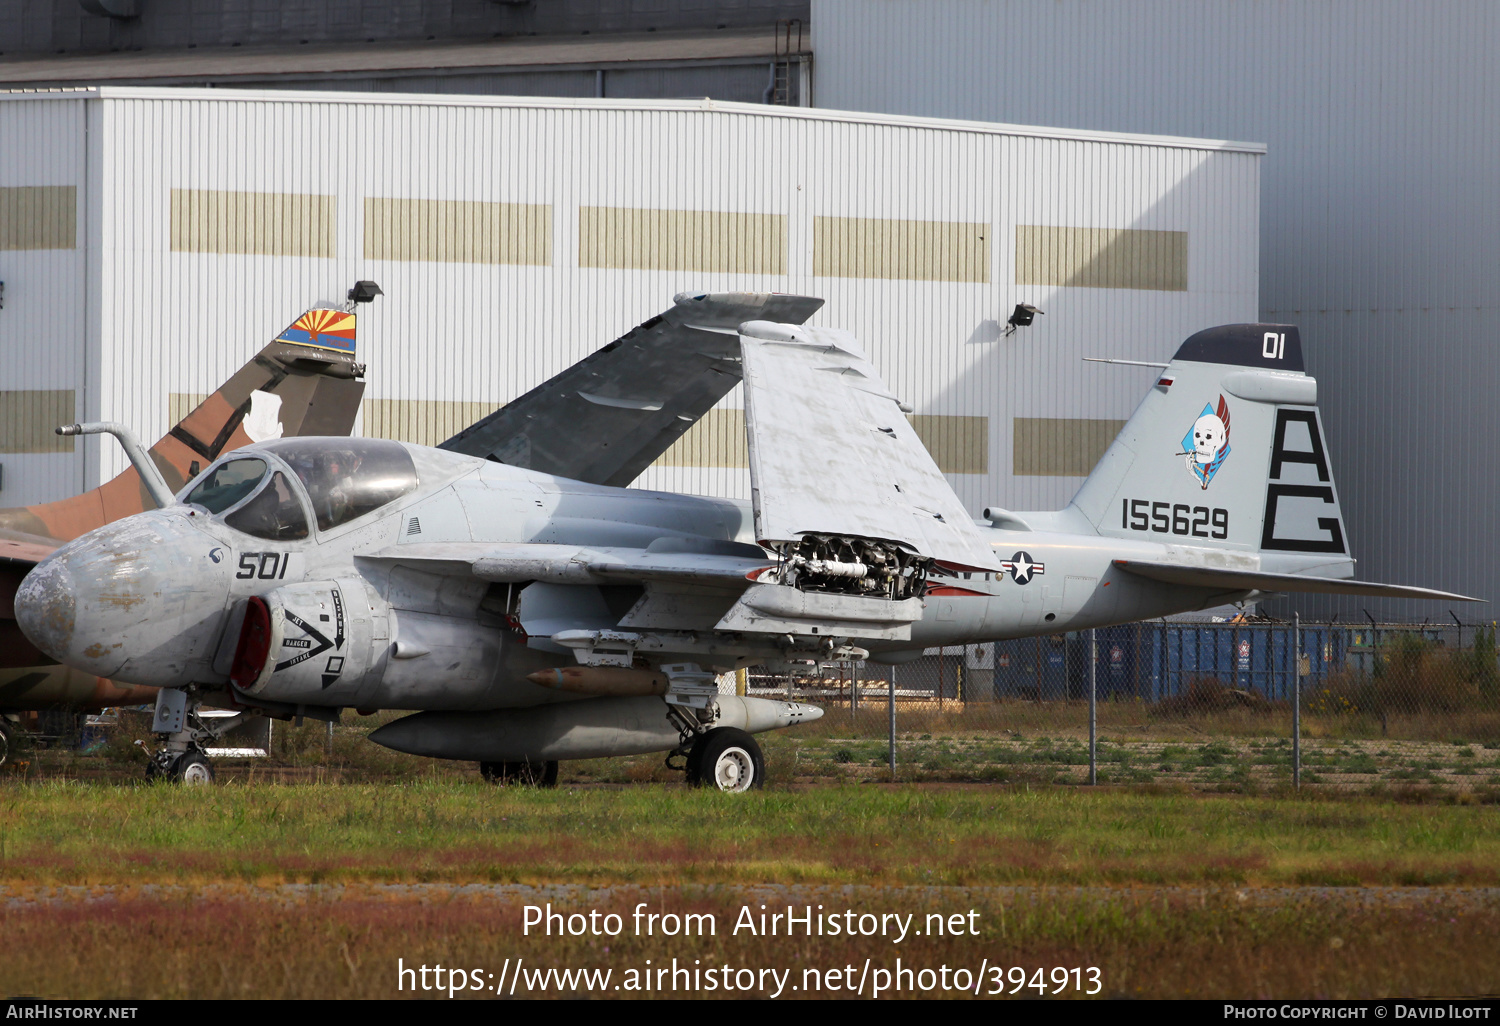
(1144, 942)
(316, 890)
(458, 831)
(1194, 872)
(1241, 751)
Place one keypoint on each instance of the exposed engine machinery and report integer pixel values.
(852, 566)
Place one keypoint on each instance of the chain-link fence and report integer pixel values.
(1229, 706)
(1238, 706)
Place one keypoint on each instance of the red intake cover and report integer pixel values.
(255, 645)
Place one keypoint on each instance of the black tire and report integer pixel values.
(728, 759)
(156, 772)
(5, 732)
(193, 770)
(694, 765)
(520, 774)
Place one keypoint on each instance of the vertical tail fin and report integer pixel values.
(1226, 451)
(305, 382)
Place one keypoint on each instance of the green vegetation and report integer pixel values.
(115, 888)
(948, 745)
(450, 830)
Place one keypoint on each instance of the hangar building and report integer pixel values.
(151, 240)
(755, 51)
(1378, 217)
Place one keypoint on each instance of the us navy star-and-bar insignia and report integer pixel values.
(1021, 567)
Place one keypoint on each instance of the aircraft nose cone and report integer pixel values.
(46, 607)
(137, 601)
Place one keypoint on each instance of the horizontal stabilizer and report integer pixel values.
(1244, 580)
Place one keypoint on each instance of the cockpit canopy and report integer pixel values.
(344, 478)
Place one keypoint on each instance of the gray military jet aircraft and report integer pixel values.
(528, 617)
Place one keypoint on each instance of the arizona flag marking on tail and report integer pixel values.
(323, 329)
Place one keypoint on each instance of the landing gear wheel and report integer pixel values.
(159, 767)
(194, 770)
(522, 774)
(728, 759)
(191, 768)
(4, 741)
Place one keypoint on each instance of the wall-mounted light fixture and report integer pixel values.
(1020, 317)
(364, 292)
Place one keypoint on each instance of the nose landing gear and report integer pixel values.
(190, 767)
(183, 735)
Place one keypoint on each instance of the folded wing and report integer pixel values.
(831, 451)
(608, 417)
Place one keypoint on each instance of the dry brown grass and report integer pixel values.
(227, 943)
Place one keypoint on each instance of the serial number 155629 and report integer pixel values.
(1174, 518)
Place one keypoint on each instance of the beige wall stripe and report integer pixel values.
(180, 404)
(39, 217)
(869, 247)
(458, 231)
(959, 445)
(29, 420)
(1101, 258)
(717, 440)
(421, 421)
(681, 240)
(1060, 446)
(262, 223)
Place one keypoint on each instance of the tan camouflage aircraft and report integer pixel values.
(306, 382)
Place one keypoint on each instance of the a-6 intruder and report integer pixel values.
(528, 617)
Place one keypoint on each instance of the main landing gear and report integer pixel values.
(726, 758)
(521, 774)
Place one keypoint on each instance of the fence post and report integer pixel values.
(1296, 701)
(892, 694)
(1093, 705)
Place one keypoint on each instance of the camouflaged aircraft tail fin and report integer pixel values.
(305, 382)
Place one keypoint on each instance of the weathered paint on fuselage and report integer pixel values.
(151, 599)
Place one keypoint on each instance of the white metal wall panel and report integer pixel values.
(463, 332)
(43, 323)
(1378, 217)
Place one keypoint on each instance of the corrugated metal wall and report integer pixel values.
(512, 237)
(44, 375)
(1378, 219)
